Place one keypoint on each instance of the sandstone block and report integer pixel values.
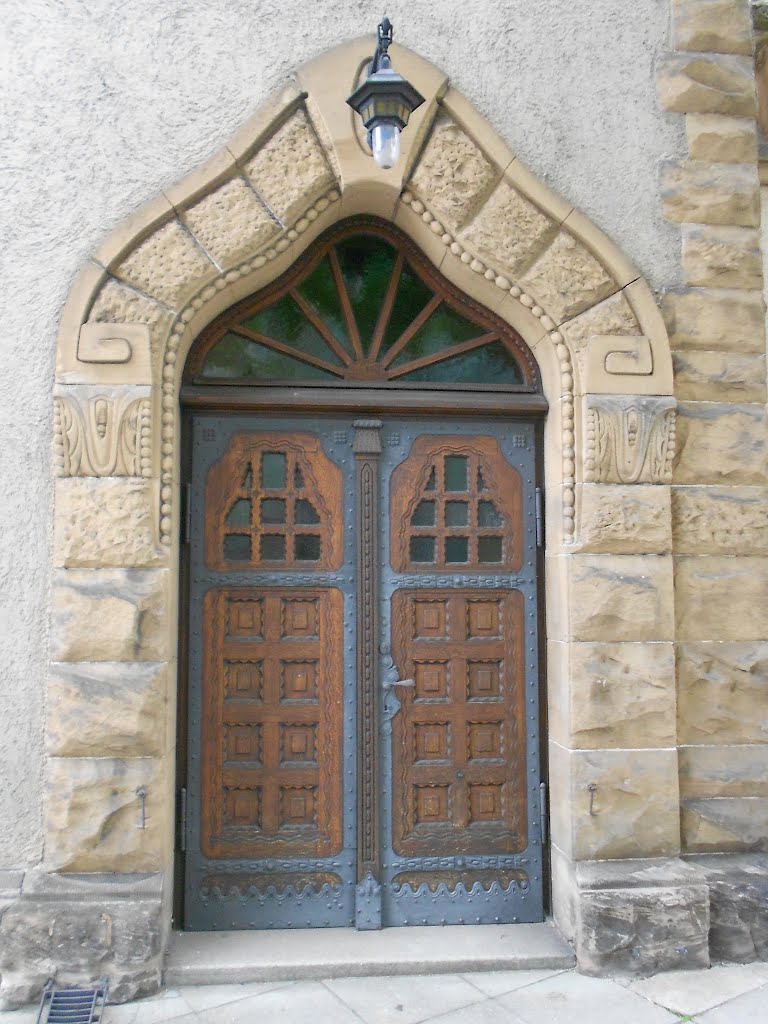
(624, 519)
(720, 443)
(453, 177)
(231, 223)
(74, 940)
(118, 304)
(105, 522)
(709, 193)
(622, 695)
(705, 318)
(722, 692)
(613, 316)
(721, 256)
(110, 615)
(707, 84)
(719, 376)
(721, 139)
(724, 771)
(629, 439)
(168, 266)
(621, 597)
(719, 26)
(721, 598)
(290, 171)
(509, 231)
(94, 814)
(720, 520)
(738, 901)
(642, 931)
(567, 279)
(107, 709)
(725, 825)
(624, 803)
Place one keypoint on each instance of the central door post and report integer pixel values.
(367, 449)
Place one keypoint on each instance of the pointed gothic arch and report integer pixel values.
(229, 229)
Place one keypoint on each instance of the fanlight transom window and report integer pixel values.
(363, 308)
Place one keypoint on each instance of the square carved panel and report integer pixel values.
(245, 618)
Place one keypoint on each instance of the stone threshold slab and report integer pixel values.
(214, 958)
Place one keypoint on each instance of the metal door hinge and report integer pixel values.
(186, 513)
(539, 518)
(183, 819)
(543, 812)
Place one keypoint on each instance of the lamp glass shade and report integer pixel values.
(385, 144)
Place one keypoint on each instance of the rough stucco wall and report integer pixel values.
(107, 104)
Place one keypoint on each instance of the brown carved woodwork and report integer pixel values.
(456, 503)
(459, 740)
(276, 502)
(367, 448)
(272, 723)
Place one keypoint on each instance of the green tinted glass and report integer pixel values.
(492, 364)
(443, 329)
(236, 358)
(412, 297)
(320, 290)
(285, 322)
(366, 265)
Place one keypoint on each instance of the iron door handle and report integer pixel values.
(391, 683)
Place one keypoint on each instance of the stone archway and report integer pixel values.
(224, 232)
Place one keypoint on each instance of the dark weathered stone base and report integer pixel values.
(738, 905)
(78, 929)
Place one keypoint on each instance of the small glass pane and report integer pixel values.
(456, 513)
(238, 358)
(305, 513)
(491, 364)
(285, 322)
(366, 265)
(455, 473)
(272, 510)
(240, 513)
(298, 478)
(307, 547)
(273, 547)
(320, 289)
(430, 486)
(456, 549)
(489, 549)
(273, 471)
(444, 329)
(237, 547)
(248, 479)
(487, 514)
(422, 549)
(424, 514)
(412, 296)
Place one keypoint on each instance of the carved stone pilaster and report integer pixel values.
(100, 432)
(367, 449)
(629, 440)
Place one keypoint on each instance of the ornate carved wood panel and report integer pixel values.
(456, 504)
(272, 738)
(459, 779)
(275, 501)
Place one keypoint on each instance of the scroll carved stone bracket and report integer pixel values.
(108, 353)
(613, 357)
(629, 439)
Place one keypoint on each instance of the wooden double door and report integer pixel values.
(363, 705)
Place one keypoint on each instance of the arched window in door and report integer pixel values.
(363, 306)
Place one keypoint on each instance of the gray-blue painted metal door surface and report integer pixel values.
(363, 674)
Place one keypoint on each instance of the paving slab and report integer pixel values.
(572, 998)
(693, 992)
(201, 958)
(751, 1008)
(206, 997)
(308, 1002)
(404, 999)
(498, 983)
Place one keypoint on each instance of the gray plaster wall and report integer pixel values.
(104, 104)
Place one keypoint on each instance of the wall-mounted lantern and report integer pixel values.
(385, 101)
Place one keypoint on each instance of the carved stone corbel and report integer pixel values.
(629, 439)
(102, 433)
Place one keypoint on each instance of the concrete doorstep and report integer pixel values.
(208, 958)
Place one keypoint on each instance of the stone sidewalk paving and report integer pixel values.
(731, 994)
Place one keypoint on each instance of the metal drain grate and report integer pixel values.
(72, 1005)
